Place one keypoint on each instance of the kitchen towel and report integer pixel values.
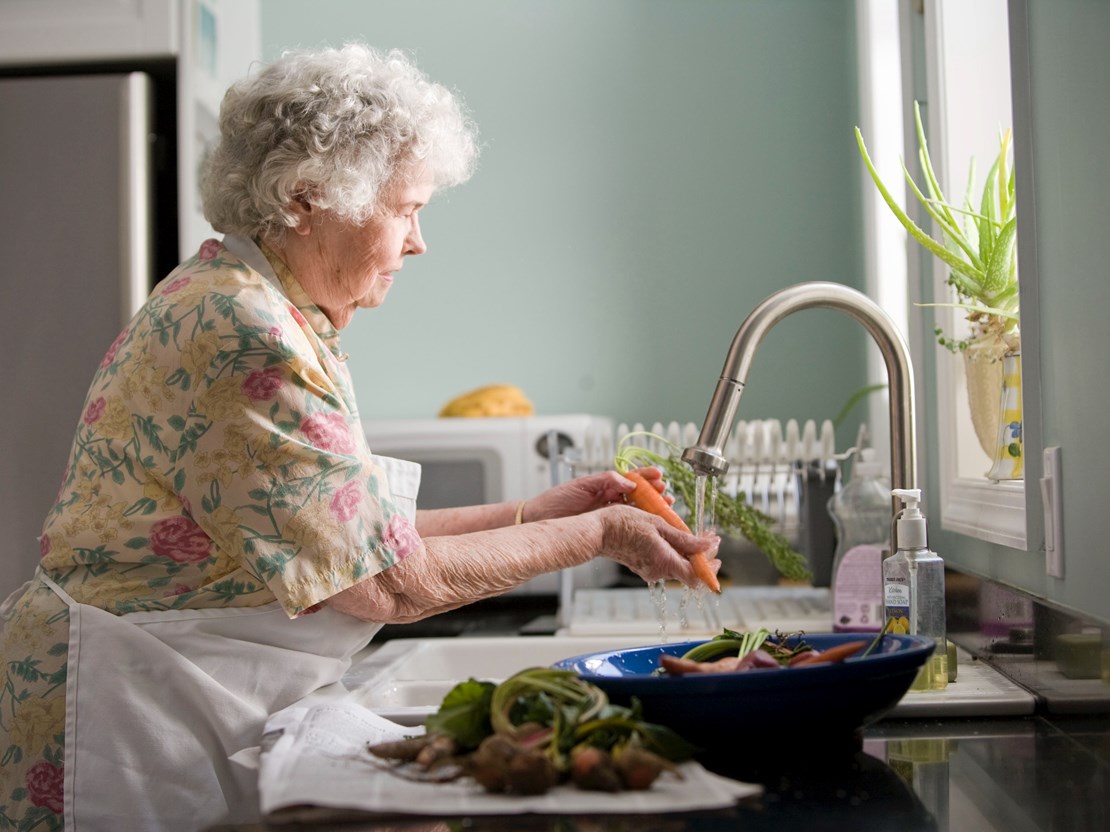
(316, 756)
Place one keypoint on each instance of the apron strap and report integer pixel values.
(61, 593)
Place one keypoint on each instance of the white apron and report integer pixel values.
(157, 702)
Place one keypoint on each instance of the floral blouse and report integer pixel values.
(218, 462)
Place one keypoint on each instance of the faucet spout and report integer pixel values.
(707, 456)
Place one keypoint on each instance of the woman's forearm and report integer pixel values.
(448, 572)
(465, 519)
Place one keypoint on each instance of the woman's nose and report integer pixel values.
(414, 243)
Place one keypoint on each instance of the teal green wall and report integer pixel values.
(1069, 77)
(651, 170)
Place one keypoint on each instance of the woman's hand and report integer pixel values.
(588, 493)
(652, 548)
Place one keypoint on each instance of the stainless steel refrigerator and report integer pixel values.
(81, 243)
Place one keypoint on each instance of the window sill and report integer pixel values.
(991, 511)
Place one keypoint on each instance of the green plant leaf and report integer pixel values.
(950, 229)
(855, 399)
(988, 220)
(927, 163)
(978, 246)
(998, 269)
(924, 239)
(464, 713)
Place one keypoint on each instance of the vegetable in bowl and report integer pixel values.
(732, 652)
(717, 711)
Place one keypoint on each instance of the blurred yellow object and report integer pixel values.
(491, 400)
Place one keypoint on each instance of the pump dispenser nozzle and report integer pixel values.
(911, 531)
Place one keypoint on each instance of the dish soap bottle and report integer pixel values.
(861, 512)
(913, 589)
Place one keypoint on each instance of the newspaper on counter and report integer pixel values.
(316, 756)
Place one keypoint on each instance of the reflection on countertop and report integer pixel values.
(985, 775)
(1044, 772)
(1061, 656)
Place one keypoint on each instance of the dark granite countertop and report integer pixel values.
(1048, 771)
(1026, 774)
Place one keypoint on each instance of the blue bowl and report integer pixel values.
(716, 710)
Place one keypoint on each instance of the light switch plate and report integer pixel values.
(1052, 496)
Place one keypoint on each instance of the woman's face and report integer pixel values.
(344, 267)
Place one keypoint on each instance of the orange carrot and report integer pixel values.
(645, 497)
(833, 654)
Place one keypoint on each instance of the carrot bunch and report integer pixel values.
(646, 498)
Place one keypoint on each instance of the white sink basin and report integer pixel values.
(404, 680)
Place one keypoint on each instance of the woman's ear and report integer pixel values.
(302, 210)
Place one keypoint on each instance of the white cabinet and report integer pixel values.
(37, 31)
(211, 42)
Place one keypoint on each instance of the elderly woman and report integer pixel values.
(223, 540)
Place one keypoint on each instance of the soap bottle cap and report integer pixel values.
(911, 522)
(867, 465)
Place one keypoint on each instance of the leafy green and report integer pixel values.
(563, 709)
(464, 713)
(731, 643)
(622, 725)
(728, 643)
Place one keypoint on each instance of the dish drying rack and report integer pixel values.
(770, 464)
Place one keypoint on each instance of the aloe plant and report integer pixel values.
(979, 247)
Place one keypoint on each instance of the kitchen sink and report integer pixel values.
(404, 680)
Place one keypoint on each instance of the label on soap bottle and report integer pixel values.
(896, 599)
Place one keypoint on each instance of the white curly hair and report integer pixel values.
(335, 127)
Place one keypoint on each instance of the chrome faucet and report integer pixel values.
(707, 457)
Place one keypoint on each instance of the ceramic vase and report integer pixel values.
(1009, 452)
(983, 370)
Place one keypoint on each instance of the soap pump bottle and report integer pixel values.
(913, 589)
(861, 512)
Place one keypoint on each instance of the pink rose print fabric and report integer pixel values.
(401, 536)
(175, 285)
(94, 411)
(44, 785)
(209, 249)
(263, 385)
(235, 486)
(180, 539)
(330, 432)
(345, 502)
(110, 356)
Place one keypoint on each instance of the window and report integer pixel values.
(965, 88)
(967, 47)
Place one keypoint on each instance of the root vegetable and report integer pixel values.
(639, 768)
(489, 763)
(833, 654)
(501, 765)
(646, 498)
(678, 666)
(404, 751)
(530, 772)
(592, 769)
(438, 749)
(761, 658)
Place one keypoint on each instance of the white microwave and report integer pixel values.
(473, 461)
